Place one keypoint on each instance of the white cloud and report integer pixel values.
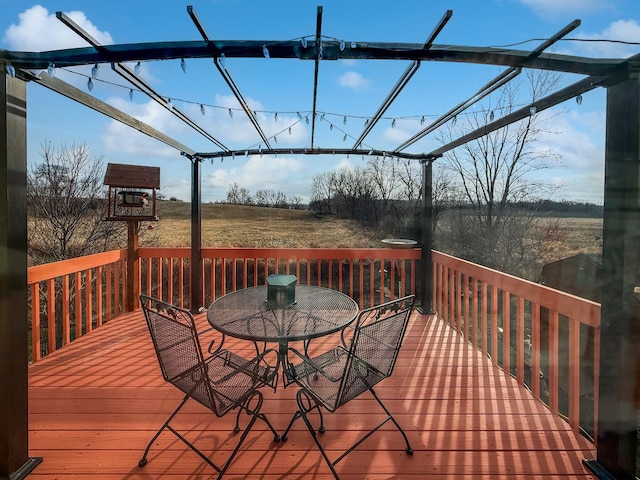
(620, 30)
(268, 172)
(555, 8)
(353, 80)
(39, 30)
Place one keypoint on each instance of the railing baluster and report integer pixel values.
(66, 330)
(36, 352)
(51, 315)
(553, 360)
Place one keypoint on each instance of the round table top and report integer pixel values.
(317, 311)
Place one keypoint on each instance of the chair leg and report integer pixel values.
(143, 461)
(409, 450)
(305, 406)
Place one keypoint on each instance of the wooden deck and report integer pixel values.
(96, 403)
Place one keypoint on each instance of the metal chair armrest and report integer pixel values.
(317, 368)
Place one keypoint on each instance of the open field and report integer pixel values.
(244, 226)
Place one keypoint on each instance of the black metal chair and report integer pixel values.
(221, 382)
(340, 375)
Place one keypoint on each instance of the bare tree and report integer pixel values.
(238, 195)
(496, 173)
(66, 202)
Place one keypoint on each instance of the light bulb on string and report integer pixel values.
(275, 117)
(223, 59)
(533, 110)
(137, 68)
(344, 139)
(289, 130)
(275, 139)
(51, 70)
(579, 99)
(131, 94)
(422, 121)
(94, 71)
(331, 126)
(265, 51)
(306, 119)
(299, 116)
(491, 116)
(90, 84)
(303, 42)
(344, 120)
(169, 104)
(11, 70)
(183, 65)
(366, 122)
(455, 119)
(202, 109)
(353, 45)
(230, 113)
(393, 123)
(342, 45)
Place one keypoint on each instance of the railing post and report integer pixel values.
(14, 412)
(133, 266)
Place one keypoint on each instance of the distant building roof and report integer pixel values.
(132, 176)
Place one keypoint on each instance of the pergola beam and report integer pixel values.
(131, 77)
(226, 76)
(402, 81)
(319, 55)
(87, 100)
(314, 151)
(555, 98)
(293, 49)
(490, 87)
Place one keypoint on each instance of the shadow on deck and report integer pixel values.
(95, 404)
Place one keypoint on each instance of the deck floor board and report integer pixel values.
(94, 405)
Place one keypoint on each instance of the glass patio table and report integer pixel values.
(316, 312)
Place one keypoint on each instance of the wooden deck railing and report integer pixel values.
(367, 275)
(68, 308)
(548, 340)
(72, 297)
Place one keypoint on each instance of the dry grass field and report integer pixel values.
(244, 226)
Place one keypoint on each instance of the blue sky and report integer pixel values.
(348, 88)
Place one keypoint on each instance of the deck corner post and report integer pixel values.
(14, 412)
(618, 402)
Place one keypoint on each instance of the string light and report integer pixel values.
(231, 113)
(289, 130)
(202, 109)
(491, 116)
(169, 104)
(183, 65)
(533, 110)
(265, 51)
(306, 119)
(137, 68)
(11, 70)
(393, 123)
(131, 94)
(94, 71)
(223, 59)
(579, 99)
(344, 139)
(303, 42)
(353, 45)
(90, 84)
(51, 70)
(344, 120)
(342, 45)
(275, 117)
(422, 121)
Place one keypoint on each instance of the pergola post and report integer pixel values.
(196, 237)
(14, 415)
(620, 309)
(426, 280)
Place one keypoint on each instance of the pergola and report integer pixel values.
(620, 332)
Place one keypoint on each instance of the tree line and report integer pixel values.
(238, 195)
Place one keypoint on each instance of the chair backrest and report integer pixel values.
(177, 347)
(377, 338)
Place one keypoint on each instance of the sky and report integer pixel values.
(277, 90)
